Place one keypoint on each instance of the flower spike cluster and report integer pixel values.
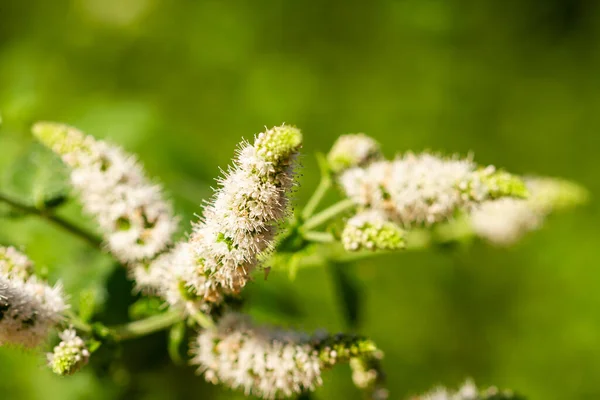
(353, 150)
(503, 222)
(468, 391)
(131, 211)
(424, 189)
(372, 231)
(29, 308)
(274, 364)
(239, 225)
(70, 355)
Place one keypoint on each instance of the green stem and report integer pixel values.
(316, 198)
(54, 219)
(320, 237)
(327, 214)
(203, 320)
(321, 190)
(77, 323)
(145, 326)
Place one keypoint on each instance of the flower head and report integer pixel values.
(504, 221)
(14, 264)
(426, 189)
(263, 362)
(29, 308)
(70, 355)
(238, 226)
(371, 230)
(272, 363)
(136, 220)
(468, 391)
(353, 151)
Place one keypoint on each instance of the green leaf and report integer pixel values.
(176, 341)
(146, 307)
(88, 300)
(348, 291)
(37, 178)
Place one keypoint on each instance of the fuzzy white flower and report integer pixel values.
(273, 363)
(468, 391)
(371, 230)
(14, 264)
(131, 211)
(263, 362)
(505, 221)
(70, 355)
(424, 188)
(351, 151)
(238, 226)
(29, 308)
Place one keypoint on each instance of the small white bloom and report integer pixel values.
(426, 189)
(504, 221)
(29, 308)
(372, 231)
(352, 151)
(70, 355)
(238, 226)
(468, 391)
(131, 211)
(14, 264)
(257, 360)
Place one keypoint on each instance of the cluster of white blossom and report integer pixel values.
(273, 363)
(468, 391)
(352, 151)
(70, 355)
(260, 361)
(238, 226)
(504, 221)
(425, 188)
(29, 307)
(131, 211)
(371, 230)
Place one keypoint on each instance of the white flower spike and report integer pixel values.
(70, 355)
(372, 231)
(503, 222)
(238, 226)
(353, 150)
(29, 308)
(272, 363)
(468, 391)
(136, 220)
(425, 189)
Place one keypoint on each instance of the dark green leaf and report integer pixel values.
(37, 178)
(348, 291)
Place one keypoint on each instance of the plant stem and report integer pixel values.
(320, 237)
(316, 198)
(145, 326)
(203, 320)
(323, 187)
(77, 323)
(327, 214)
(56, 220)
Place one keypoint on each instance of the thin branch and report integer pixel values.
(321, 190)
(54, 219)
(320, 237)
(145, 326)
(327, 214)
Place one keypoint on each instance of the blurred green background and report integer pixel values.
(181, 82)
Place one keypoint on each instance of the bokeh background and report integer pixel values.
(180, 82)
